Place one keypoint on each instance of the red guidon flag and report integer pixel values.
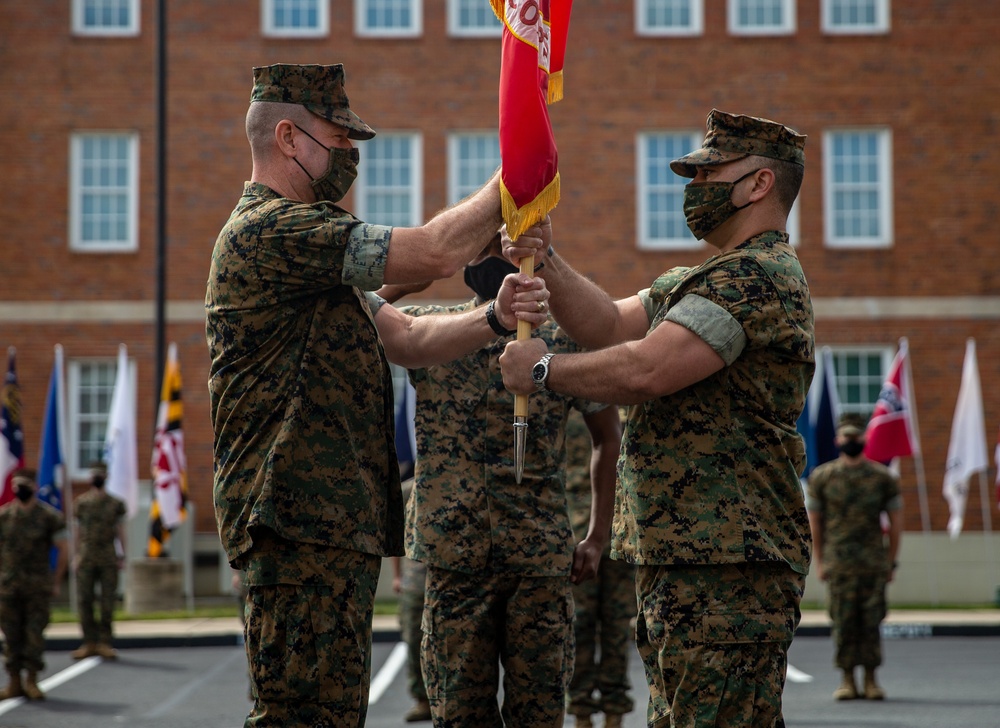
(533, 50)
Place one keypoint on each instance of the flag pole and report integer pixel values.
(521, 400)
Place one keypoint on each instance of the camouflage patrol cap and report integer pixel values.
(24, 476)
(734, 136)
(851, 424)
(319, 88)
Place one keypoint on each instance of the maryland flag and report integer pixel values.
(531, 77)
(169, 464)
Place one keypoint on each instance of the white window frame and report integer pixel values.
(793, 226)
(80, 27)
(363, 30)
(872, 381)
(362, 186)
(880, 26)
(883, 187)
(457, 192)
(131, 189)
(269, 30)
(74, 417)
(697, 26)
(644, 242)
(787, 27)
(457, 30)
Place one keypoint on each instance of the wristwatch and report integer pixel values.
(540, 372)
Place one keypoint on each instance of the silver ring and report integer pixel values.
(541, 307)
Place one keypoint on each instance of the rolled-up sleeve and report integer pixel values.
(365, 256)
(712, 323)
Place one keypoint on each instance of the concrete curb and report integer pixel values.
(224, 631)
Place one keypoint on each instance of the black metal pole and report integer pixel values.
(161, 198)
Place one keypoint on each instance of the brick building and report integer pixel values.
(894, 225)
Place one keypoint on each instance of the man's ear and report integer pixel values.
(284, 137)
(763, 184)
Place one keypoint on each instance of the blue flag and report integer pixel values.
(50, 450)
(406, 443)
(820, 430)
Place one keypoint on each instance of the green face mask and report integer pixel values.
(709, 204)
(339, 175)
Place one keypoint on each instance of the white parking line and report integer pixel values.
(55, 681)
(793, 674)
(385, 676)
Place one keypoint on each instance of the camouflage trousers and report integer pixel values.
(24, 615)
(309, 648)
(605, 607)
(411, 608)
(714, 642)
(473, 624)
(87, 578)
(857, 608)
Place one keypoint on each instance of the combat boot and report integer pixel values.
(14, 688)
(847, 690)
(420, 712)
(872, 690)
(87, 649)
(31, 690)
(106, 651)
(583, 721)
(612, 720)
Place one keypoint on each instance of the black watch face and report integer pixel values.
(538, 372)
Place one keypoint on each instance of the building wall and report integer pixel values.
(933, 79)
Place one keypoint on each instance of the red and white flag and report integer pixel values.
(533, 48)
(892, 429)
(967, 449)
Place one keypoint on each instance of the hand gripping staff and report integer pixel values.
(533, 48)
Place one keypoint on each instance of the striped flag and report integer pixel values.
(892, 429)
(11, 435)
(169, 463)
(533, 47)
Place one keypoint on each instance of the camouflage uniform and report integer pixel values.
(605, 606)
(27, 535)
(709, 497)
(411, 608)
(98, 515)
(850, 499)
(307, 492)
(709, 504)
(498, 554)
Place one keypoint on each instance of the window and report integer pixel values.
(860, 374)
(106, 17)
(388, 18)
(660, 203)
(295, 18)
(857, 188)
(473, 19)
(761, 17)
(855, 16)
(90, 386)
(473, 157)
(669, 17)
(388, 189)
(104, 191)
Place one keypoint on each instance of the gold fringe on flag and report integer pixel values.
(520, 219)
(555, 87)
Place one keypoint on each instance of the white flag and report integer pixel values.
(120, 449)
(967, 450)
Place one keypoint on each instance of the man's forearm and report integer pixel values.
(580, 306)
